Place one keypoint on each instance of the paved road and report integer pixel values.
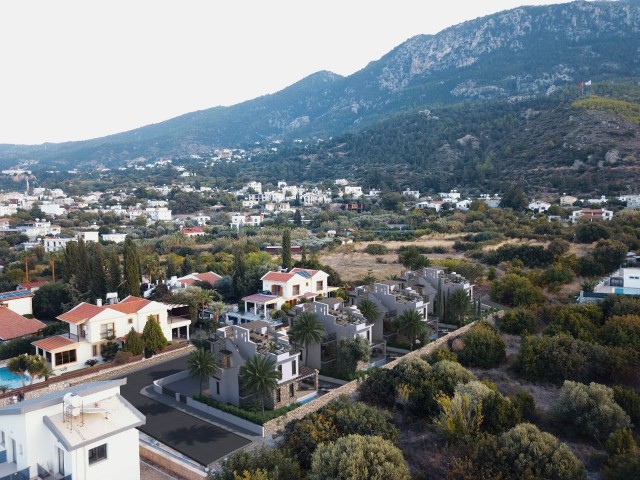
(195, 438)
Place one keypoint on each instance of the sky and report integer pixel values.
(79, 69)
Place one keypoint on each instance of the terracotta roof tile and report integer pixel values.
(53, 343)
(278, 277)
(80, 313)
(13, 325)
(129, 305)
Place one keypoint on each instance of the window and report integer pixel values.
(2, 437)
(294, 367)
(296, 289)
(319, 285)
(130, 321)
(107, 330)
(94, 350)
(278, 395)
(65, 357)
(217, 388)
(98, 453)
(292, 390)
(280, 370)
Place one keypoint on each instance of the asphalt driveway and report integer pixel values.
(199, 440)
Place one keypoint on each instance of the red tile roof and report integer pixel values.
(80, 313)
(277, 277)
(13, 325)
(53, 343)
(210, 277)
(130, 305)
(192, 230)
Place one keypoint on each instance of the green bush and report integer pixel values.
(517, 322)
(499, 414)
(355, 457)
(590, 409)
(13, 348)
(516, 291)
(442, 353)
(273, 461)
(483, 347)
(379, 387)
(376, 249)
(445, 375)
(629, 400)
(620, 442)
(622, 331)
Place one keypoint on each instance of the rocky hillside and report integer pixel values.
(511, 55)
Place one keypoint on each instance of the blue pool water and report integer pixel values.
(8, 378)
(308, 398)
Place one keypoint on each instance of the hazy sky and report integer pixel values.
(78, 69)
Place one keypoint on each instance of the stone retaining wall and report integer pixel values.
(351, 388)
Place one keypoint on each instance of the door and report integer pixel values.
(61, 460)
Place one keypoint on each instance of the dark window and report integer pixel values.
(292, 389)
(98, 453)
(218, 388)
(294, 367)
(278, 395)
(65, 357)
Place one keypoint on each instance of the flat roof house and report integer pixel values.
(88, 431)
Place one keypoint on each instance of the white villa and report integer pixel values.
(232, 346)
(340, 322)
(88, 431)
(92, 325)
(279, 288)
(587, 214)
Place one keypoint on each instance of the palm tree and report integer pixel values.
(36, 367)
(307, 329)
(259, 376)
(411, 324)
(368, 309)
(202, 365)
(458, 305)
(203, 298)
(19, 366)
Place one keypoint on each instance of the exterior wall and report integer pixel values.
(121, 462)
(21, 306)
(631, 277)
(389, 300)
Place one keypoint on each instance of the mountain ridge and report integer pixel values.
(514, 54)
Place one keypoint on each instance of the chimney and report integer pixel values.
(99, 302)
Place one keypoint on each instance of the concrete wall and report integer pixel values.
(227, 417)
(180, 470)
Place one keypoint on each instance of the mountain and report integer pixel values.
(512, 55)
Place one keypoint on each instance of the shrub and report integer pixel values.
(154, 339)
(629, 401)
(460, 417)
(620, 442)
(121, 357)
(622, 331)
(379, 387)
(134, 343)
(518, 322)
(483, 347)
(350, 352)
(526, 452)
(274, 462)
(515, 291)
(376, 249)
(442, 353)
(92, 362)
(109, 351)
(591, 409)
(445, 375)
(499, 414)
(355, 457)
(525, 404)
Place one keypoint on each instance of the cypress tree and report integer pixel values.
(286, 249)
(303, 259)
(134, 343)
(97, 277)
(70, 261)
(132, 274)
(82, 269)
(188, 266)
(152, 336)
(239, 272)
(297, 218)
(114, 276)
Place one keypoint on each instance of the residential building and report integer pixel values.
(193, 232)
(233, 345)
(90, 326)
(54, 244)
(14, 325)
(18, 301)
(85, 432)
(539, 206)
(181, 283)
(31, 286)
(243, 219)
(114, 237)
(589, 215)
(411, 193)
(340, 322)
(353, 191)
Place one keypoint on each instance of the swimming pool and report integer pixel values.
(308, 398)
(10, 379)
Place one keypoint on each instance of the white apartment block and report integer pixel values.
(85, 432)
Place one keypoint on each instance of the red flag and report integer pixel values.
(580, 85)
